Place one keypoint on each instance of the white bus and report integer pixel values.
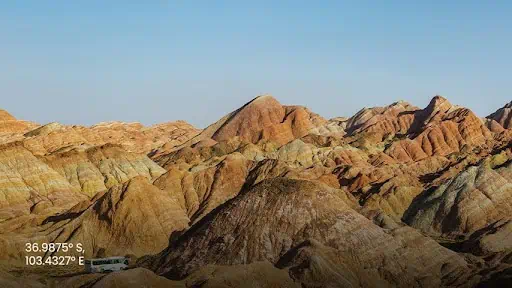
(110, 264)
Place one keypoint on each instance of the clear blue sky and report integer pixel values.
(82, 62)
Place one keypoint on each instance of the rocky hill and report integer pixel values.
(269, 195)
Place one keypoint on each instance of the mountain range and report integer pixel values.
(270, 195)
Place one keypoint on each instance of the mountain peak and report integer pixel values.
(262, 118)
(440, 103)
(265, 99)
(436, 109)
(503, 116)
(6, 116)
(248, 120)
(263, 96)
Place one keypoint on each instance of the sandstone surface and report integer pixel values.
(503, 116)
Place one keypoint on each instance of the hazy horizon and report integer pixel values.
(91, 62)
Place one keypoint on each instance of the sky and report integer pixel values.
(84, 62)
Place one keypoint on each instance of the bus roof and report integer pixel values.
(108, 258)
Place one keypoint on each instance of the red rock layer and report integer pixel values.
(440, 129)
(264, 118)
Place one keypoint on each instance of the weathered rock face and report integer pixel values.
(389, 186)
(45, 185)
(503, 117)
(435, 112)
(9, 123)
(394, 196)
(27, 183)
(396, 118)
(203, 189)
(491, 240)
(12, 129)
(315, 265)
(440, 129)
(334, 127)
(299, 154)
(43, 198)
(265, 222)
(133, 218)
(100, 168)
(477, 197)
(133, 137)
